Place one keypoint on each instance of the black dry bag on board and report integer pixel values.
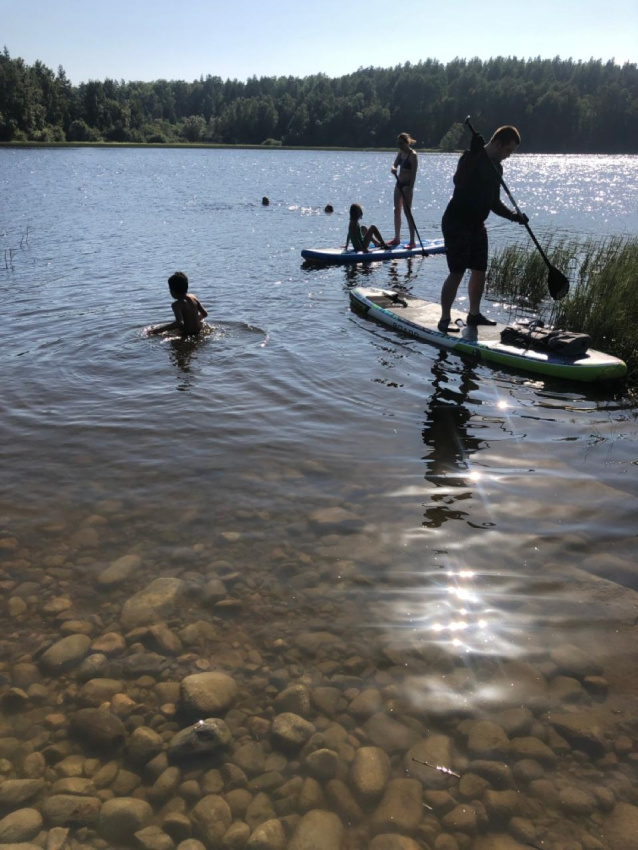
(537, 338)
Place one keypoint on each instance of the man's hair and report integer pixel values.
(355, 211)
(505, 135)
(178, 283)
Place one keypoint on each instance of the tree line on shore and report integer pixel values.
(559, 105)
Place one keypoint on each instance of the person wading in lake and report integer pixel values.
(477, 192)
(404, 168)
(186, 308)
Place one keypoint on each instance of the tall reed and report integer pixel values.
(603, 298)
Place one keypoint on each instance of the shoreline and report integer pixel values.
(221, 146)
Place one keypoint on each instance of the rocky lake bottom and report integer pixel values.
(195, 705)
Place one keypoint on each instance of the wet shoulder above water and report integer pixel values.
(300, 581)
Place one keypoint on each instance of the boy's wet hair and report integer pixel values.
(356, 211)
(178, 283)
(505, 135)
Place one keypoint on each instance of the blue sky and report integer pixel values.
(143, 40)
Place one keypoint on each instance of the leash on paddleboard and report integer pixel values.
(557, 282)
(408, 211)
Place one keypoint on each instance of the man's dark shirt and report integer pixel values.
(477, 190)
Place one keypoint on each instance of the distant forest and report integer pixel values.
(560, 106)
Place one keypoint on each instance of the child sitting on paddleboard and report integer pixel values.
(186, 307)
(361, 236)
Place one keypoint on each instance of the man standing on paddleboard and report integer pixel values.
(476, 193)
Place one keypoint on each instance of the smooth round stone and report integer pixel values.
(487, 740)
(326, 700)
(21, 825)
(472, 787)
(318, 830)
(208, 694)
(582, 731)
(621, 828)
(65, 654)
(14, 792)
(250, 757)
(295, 699)
(322, 764)
(527, 770)
(211, 817)
(260, 809)
(290, 731)
(122, 817)
(119, 570)
(206, 737)
(144, 744)
(153, 838)
(96, 691)
(269, 835)
(213, 591)
(365, 704)
(574, 801)
(16, 606)
(111, 643)
(500, 805)
(343, 802)
(78, 785)
(70, 810)
(236, 836)
(435, 750)
(566, 689)
(462, 818)
(98, 728)
(370, 772)
(532, 748)
(94, 666)
(155, 603)
(401, 809)
(515, 721)
(394, 737)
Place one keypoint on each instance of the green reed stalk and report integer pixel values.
(602, 301)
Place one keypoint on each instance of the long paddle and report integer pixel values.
(406, 207)
(557, 283)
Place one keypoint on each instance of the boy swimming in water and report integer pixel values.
(186, 307)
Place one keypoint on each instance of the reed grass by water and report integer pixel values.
(602, 301)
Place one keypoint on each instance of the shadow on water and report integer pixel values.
(181, 351)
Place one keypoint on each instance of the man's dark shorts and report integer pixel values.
(466, 245)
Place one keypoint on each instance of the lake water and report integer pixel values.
(426, 560)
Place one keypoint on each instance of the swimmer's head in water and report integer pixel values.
(178, 284)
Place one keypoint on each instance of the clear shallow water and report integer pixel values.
(478, 502)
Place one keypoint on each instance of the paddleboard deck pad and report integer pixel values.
(419, 319)
(374, 255)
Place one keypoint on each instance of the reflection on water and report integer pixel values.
(376, 548)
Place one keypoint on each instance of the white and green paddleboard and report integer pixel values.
(419, 319)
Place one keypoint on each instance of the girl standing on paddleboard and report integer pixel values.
(404, 169)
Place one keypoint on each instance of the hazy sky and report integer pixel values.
(148, 40)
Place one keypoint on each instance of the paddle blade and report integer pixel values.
(557, 284)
